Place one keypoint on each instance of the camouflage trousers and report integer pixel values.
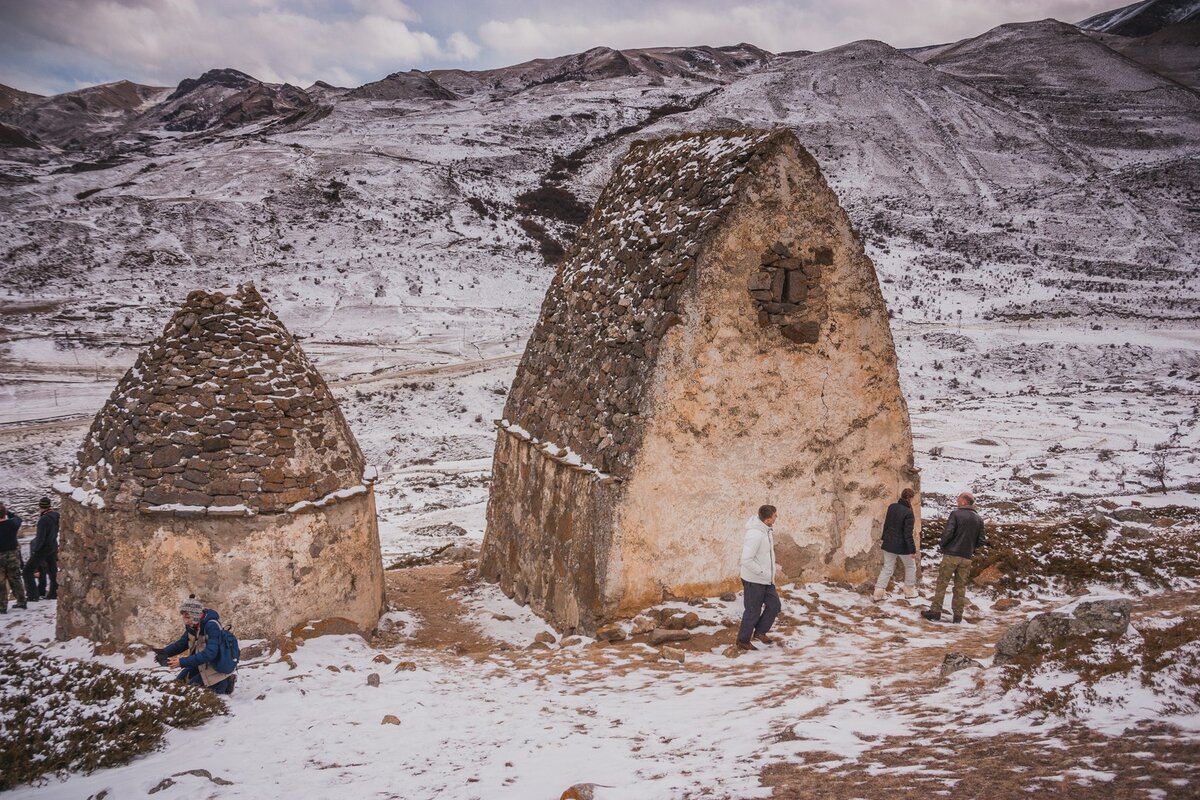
(954, 568)
(10, 575)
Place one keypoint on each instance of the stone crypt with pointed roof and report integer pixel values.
(715, 340)
(220, 465)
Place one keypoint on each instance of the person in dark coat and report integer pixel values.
(963, 536)
(201, 631)
(10, 560)
(898, 545)
(43, 555)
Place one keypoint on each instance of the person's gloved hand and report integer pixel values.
(160, 657)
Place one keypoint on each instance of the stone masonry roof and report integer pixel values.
(589, 359)
(222, 411)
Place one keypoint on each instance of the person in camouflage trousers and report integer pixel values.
(964, 535)
(10, 560)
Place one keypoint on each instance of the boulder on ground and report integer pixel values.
(662, 636)
(610, 633)
(1054, 629)
(673, 653)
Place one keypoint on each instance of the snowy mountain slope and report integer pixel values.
(1144, 18)
(1173, 51)
(1026, 254)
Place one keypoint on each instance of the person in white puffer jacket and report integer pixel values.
(758, 579)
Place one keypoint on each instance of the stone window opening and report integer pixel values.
(786, 291)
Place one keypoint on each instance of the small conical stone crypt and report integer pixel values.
(715, 340)
(220, 465)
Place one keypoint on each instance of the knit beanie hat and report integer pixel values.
(192, 608)
(44, 502)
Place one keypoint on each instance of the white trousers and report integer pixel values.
(889, 566)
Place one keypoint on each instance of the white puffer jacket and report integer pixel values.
(758, 553)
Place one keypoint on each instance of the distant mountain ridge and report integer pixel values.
(1144, 18)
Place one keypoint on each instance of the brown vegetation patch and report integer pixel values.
(59, 715)
(1074, 553)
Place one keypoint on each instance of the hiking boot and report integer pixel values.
(932, 616)
(51, 596)
(957, 619)
(762, 637)
(877, 595)
(910, 593)
(21, 604)
(745, 646)
(3, 610)
(232, 683)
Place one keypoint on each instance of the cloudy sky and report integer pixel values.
(49, 46)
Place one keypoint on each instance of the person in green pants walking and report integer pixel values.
(963, 536)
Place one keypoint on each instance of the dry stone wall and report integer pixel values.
(223, 411)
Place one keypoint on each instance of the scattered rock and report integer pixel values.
(610, 633)
(731, 652)
(580, 791)
(989, 576)
(1162, 522)
(539, 646)
(373, 679)
(381, 659)
(673, 654)
(405, 666)
(545, 637)
(1132, 514)
(390, 719)
(1006, 604)
(696, 601)
(955, 661)
(643, 624)
(691, 620)
(571, 641)
(502, 617)
(1053, 629)
(253, 651)
(663, 635)
(729, 597)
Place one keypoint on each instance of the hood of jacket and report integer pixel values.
(754, 523)
(208, 614)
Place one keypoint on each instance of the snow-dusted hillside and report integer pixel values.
(1029, 197)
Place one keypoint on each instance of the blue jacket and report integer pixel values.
(211, 628)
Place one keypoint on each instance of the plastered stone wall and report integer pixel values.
(716, 340)
(124, 576)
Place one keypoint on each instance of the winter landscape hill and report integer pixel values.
(1030, 197)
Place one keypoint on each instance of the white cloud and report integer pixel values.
(775, 26)
(162, 41)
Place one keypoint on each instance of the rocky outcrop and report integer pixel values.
(715, 339)
(221, 465)
(1054, 629)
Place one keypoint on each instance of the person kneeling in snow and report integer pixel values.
(201, 637)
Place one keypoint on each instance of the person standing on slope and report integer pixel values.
(10, 560)
(964, 535)
(43, 555)
(898, 545)
(758, 579)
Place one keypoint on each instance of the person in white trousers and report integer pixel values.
(898, 545)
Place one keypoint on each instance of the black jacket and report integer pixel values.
(898, 529)
(46, 540)
(964, 533)
(8, 532)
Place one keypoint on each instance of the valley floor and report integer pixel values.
(848, 703)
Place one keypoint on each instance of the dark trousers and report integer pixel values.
(46, 565)
(762, 606)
